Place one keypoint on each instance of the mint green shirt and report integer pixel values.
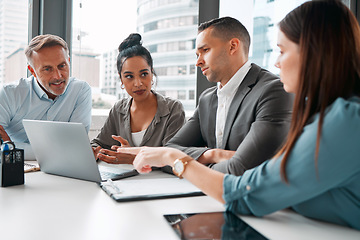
(329, 191)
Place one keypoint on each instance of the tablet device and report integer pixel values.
(212, 225)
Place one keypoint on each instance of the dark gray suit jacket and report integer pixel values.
(257, 123)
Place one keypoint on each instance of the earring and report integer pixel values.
(122, 86)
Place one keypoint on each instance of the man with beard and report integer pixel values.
(49, 94)
(243, 120)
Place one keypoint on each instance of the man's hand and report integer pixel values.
(215, 156)
(4, 135)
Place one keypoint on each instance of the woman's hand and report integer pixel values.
(208, 180)
(123, 142)
(96, 151)
(116, 157)
(147, 157)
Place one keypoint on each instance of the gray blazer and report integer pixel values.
(257, 123)
(168, 119)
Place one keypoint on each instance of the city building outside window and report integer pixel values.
(13, 40)
(169, 29)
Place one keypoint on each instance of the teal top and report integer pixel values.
(328, 191)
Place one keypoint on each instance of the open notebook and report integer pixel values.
(154, 185)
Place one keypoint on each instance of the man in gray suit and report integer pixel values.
(245, 119)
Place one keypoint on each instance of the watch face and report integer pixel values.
(179, 167)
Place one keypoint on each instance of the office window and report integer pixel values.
(171, 93)
(152, 48)
(171, 42)
(161, 71)
(171, 71)
(174, 70)
(13, 40)
(192, 69)
(146, 5)
(191, 94)
(170, 23)
(182, 70)
(260, 17)
(171, 46)
(150, 26)
(181, 95)
(162, 92)
(98, 29)
(168, 28)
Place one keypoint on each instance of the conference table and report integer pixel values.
(55, 207)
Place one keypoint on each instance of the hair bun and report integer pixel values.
(132, 40)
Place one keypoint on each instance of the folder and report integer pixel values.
(137, 188)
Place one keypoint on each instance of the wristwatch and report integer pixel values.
(180, 165)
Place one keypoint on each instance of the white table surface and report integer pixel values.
(53, 207)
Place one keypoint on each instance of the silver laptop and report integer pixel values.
(63, 148)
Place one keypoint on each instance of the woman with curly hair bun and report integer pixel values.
(146, 118)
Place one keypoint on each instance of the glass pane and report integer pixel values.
(260, 17)
(13, 40)
(98, 29)
(168, 28)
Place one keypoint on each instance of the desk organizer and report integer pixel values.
(12, 167)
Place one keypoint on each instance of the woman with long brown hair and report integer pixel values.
(317, 172)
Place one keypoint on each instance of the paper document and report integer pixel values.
(31, 167)
(142, 189)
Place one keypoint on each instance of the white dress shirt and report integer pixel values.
(225, 96)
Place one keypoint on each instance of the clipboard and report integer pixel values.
(147, 189)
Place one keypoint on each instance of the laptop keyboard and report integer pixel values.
(114, 173)
(107, 175)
